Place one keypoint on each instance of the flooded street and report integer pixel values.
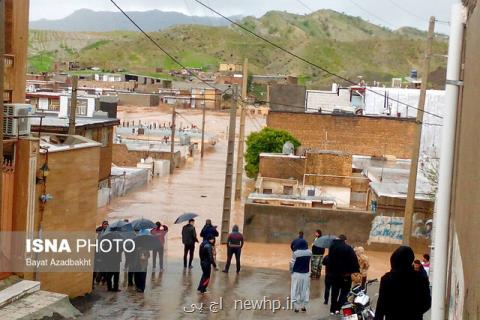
(198, 187)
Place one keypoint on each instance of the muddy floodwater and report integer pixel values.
(198, 187)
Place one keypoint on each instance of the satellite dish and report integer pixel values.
(288, 148)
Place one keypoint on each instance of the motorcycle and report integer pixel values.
(358, 306)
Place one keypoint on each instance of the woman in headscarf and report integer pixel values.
(360, 278)
(317, 256)
(404, 293)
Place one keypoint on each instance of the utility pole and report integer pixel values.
(227, 196)
(241, 137)
(203, 127)
(73, 106)
(412, 180)
(172, 141)
(2, 61)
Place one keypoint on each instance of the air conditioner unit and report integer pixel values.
(15, 122)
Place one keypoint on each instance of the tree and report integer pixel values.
(267, 140)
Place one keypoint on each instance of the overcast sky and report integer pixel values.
(390, 13)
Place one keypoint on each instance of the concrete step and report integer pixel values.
(17, 291)
(38, 305)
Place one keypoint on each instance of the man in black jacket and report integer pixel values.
(404, 293)
(342, 262)
(189, 237)
(206, 261)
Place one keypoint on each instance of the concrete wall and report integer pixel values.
(289, 98)
(73, 183)
(264, 223)
(371, 136)
(465, 271)
(141, 100)
(125, 158)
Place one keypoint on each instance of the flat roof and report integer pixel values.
(56, 122)
(62, 142)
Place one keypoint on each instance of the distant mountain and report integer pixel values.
(346, 45)
(102, 21)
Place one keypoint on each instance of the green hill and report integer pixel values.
(343, 44)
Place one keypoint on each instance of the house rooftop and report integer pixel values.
(63, 142)
(80, 122)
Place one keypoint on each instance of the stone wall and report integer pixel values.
(360, 135)
(278, 224)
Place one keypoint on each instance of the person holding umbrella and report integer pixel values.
(317, 255)
(189, 238)
(140, 276)
(207, 260)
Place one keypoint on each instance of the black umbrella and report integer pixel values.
(121, 226)
(147, 241)
(324, 241)
(185, 217)
(140, 224)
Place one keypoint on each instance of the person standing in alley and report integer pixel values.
(160, 232)
(402, 286)
(360, 278)
(189, 238)
(300, 269)
(209, 230)
(296, 241)
(206, 262)
(140, 276)
(342, 263)
(234, 247)
(317, 256)
(328, 280)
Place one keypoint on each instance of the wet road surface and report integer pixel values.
(198, 187)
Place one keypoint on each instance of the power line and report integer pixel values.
(372, 14)
(162, 49)
(407, 11)
(273, 44)
(303, 4)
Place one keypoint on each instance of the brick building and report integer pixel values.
(360, 135)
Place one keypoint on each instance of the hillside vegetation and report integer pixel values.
(343, 44)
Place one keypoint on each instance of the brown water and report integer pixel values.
(198, 187)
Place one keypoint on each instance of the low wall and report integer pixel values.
(125, 158)
(265, 223)
(137, 99)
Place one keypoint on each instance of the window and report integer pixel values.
(267, 191)
(82, 107)
(287, 190)
(54, 105)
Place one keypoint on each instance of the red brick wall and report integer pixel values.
(360, 135)
(331, 164)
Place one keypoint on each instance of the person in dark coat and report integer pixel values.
(404, 293)
(297, 241)
(209, 230)
(234, 247)
(140, 276)
(418, 267)
(207, 260)
(328, 280)
(189, 238)
(111, 263)
(342, 262)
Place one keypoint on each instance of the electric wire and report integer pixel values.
(304, 59)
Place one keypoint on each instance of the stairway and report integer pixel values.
(25, 301)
